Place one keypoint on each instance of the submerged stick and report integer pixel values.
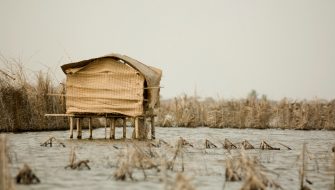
(50, 140)
(209, 144)
(228, 145)
(76, 164)
(265, 146)
(184, 142)
(246, 145)
(285, 146)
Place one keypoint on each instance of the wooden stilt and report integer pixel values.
(90, 127)
(143, 127)
(112, 129)
(106, 123)
(80, 126)
(124, 128)
(153, 136)
(78, 129)
(71, 127)
(136, 128)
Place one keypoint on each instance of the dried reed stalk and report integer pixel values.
(74, 164)
(134, 157)
(246, 145)
(250, 171)
(6, 182)
(24, 101)
(265, 146)
(182, 183)
(303, 169)
(50, 141)
(209, 144)
(228, 145)
(251, 112)
(27, 176)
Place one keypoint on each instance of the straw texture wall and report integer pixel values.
(105, 85)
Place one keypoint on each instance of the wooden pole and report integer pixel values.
(153, 136)
(143, 129)
(112, 129)
(71, 127)
(124, 128)
(136, 128)
(78, 129)
(106, 127)
(90, 127)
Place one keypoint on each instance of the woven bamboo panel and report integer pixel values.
(105, 86)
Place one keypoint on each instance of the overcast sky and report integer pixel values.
(221, 48)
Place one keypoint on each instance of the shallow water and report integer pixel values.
(204, 168)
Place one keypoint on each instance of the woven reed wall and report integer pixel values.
(105, 86)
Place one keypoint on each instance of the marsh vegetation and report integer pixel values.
(26, 96)
(182, 157)
(251, 112)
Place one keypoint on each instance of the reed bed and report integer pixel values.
(24, 100)
(26, 96)
(251, 112)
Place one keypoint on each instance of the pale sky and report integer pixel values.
(223, 48)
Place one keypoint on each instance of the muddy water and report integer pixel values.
(205, 168)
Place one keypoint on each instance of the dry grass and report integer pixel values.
(250, 171)
(182, 183)
(6, 182)
(251, 112)
(134, 157)
(24, 101)
(143, 156)
(77, 164)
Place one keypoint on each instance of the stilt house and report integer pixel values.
(111, 86)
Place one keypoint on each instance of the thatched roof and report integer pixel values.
(152, 75)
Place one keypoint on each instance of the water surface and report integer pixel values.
(204, 168)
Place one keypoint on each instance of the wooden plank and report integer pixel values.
(58, 115)
(77, 115)
(153, 87)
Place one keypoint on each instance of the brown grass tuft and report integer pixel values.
(27, 176)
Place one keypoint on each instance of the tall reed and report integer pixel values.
(24, 101)
(251, 112)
